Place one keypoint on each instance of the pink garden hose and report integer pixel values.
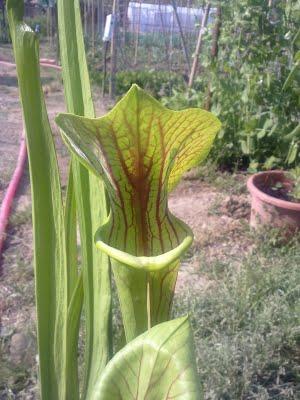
(11, 191)
(45, 62)
(16, 178)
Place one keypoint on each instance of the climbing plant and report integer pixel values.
(257, 50)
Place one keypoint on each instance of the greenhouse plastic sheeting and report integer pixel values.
(145, 17)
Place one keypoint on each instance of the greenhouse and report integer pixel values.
(147, 17)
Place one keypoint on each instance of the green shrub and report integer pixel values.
(40, 20)
(158, 83)
(258, 109)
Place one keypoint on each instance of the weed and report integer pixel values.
(215, 207)
(21, 217)
(231, 182)
(247, 325)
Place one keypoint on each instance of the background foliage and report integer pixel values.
(254, 81)
(257, 52)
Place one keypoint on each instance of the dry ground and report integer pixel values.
(216, 209)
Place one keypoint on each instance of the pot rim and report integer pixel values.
(256, 192)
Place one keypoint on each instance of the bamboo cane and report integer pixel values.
(214, 51)
(137, 34)
(113, 52)
(184, 46)
(199, 45)
(93, 28)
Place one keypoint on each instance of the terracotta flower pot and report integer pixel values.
(267, 210)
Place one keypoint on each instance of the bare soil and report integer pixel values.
(217, 215)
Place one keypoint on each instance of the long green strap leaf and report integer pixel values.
(90, 197)
(71, 237)
(74, 312)
(48, 218)
(75, 294)
(158, 365)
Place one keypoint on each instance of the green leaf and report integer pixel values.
(271, 162)
(292, 153)
(294, 134)
(245, 147)
(158, 365)
(90, 200)
(71, 237)
(266, 127)
(141, 149)
(293, 73)
(296, 39)
(48, 216)
(73, 325)
(261, 133)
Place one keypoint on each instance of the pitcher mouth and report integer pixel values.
(145, 263)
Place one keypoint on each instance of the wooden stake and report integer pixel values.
(105, 49)
(93, 28)
(184, 46)
(113, 53)
(164, 35)
(51, 26)
(124, 16)
(85, 17)
(137, 34)
(214, 51)
(199, 45)
(48, 23)
(102, 16)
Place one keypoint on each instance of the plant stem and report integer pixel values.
(148, 301)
